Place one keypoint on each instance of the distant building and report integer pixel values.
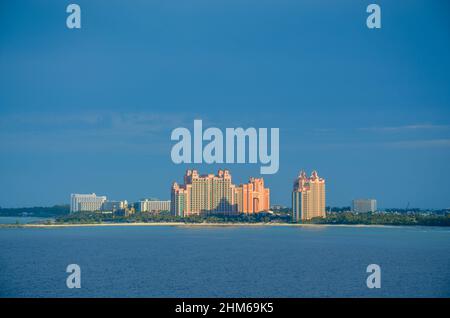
(153, 205)
(308, 197)
(86, 202)
(278, 207)
(364, 205)
(126, 212)
(211, 193)
(114, 206)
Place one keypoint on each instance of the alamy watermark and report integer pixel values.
(232, 150)
(374, 279)
(74, 279)
(374, 19)
(73, 20)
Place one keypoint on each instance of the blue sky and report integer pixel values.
(91, 110)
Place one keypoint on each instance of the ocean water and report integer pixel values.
(166, 261)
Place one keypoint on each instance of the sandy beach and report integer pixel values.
(181, 224)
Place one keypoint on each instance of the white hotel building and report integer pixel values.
(86, 202)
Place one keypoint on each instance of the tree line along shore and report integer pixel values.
(59, 214)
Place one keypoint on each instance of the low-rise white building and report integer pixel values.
(86, 202)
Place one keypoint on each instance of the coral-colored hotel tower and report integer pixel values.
(217, 194)
(308, 197)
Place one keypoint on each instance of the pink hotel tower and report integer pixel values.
(216, 194)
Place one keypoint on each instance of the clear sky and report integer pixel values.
(91, 110)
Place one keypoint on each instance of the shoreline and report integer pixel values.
(181, 224)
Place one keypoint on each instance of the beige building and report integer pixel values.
(308, 197)
(113, 206)
(155, 206)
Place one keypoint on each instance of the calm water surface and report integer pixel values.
(225, 261)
